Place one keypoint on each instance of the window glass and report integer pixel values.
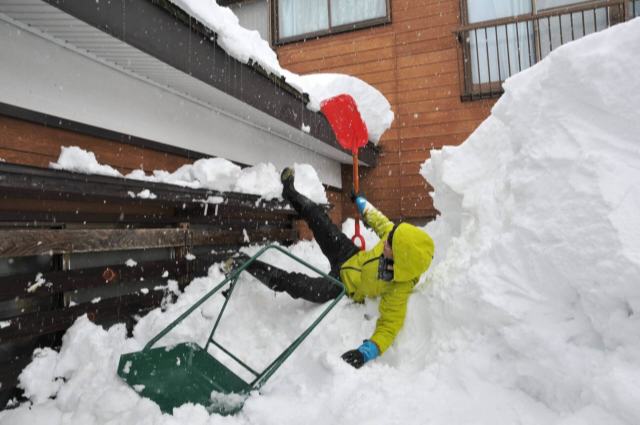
(351, 11)
(487, 10)
(493, 51)
(302, 17)
(547, 4)
(501, 51)
(253, 15)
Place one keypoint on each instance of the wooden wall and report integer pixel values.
(26, 143)
(413, 62)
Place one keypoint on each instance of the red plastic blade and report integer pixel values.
(343, 115)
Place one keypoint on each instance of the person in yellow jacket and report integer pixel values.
(389, 270)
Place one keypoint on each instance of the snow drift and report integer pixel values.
(529, 315)
(538, 239)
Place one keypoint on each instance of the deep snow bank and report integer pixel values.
(539, 238)
(528, 316)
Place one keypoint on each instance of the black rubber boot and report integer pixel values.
(298, 201)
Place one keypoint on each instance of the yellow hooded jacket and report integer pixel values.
(412, 253)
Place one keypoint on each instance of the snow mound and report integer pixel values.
(538, 249)
(78, 160)
(208, 173)
(308, 183)
(372, 105)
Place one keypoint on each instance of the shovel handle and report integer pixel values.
(356, 176)
(356, 187)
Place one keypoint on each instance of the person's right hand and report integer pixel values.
(358, 199)
(354, 357)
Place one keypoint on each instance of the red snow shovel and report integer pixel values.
(351, 131)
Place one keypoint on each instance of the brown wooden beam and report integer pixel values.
(38, 183)
(47, 322)
(17, 243)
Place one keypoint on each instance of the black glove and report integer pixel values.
(354, 357)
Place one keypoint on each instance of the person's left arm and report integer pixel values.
(393, 309)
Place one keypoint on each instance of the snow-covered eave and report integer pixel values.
(166, 32)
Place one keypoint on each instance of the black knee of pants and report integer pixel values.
(298, 285)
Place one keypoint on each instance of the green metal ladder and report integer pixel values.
(186, 372)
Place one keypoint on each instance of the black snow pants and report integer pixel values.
(334, 245)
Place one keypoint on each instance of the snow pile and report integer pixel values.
(247, 45)
(207, 173)
(530, 315)
(538, 243)
(308, 183)
(73, 158)
(369, 100)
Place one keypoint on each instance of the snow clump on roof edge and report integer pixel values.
(246, 45)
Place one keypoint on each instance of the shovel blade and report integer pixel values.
(345, 120)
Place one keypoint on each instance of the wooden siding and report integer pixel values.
(26, 143)
(413, 61)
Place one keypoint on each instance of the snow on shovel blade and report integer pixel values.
(343, 115)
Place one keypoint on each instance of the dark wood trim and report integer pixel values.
(274, 23)
(16, 286)
(19, 243)
(42, 183)
(47, 322)
(230, 2)
(10, 371)
(154, 273)
(226, 217)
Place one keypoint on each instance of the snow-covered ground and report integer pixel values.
(529, 314)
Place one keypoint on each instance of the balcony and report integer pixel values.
(491, 51)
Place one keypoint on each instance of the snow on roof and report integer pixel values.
(247, 45)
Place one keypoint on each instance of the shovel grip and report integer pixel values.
(358, 235)
(361, 239)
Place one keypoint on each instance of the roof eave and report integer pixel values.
(166, 32)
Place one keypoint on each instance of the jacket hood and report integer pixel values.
(412, 252)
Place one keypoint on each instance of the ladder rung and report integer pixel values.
(228, 353)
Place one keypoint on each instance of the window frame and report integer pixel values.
(331, 30)
(471, 91)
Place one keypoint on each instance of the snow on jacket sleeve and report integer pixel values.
(378, 221)
(393, 309)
